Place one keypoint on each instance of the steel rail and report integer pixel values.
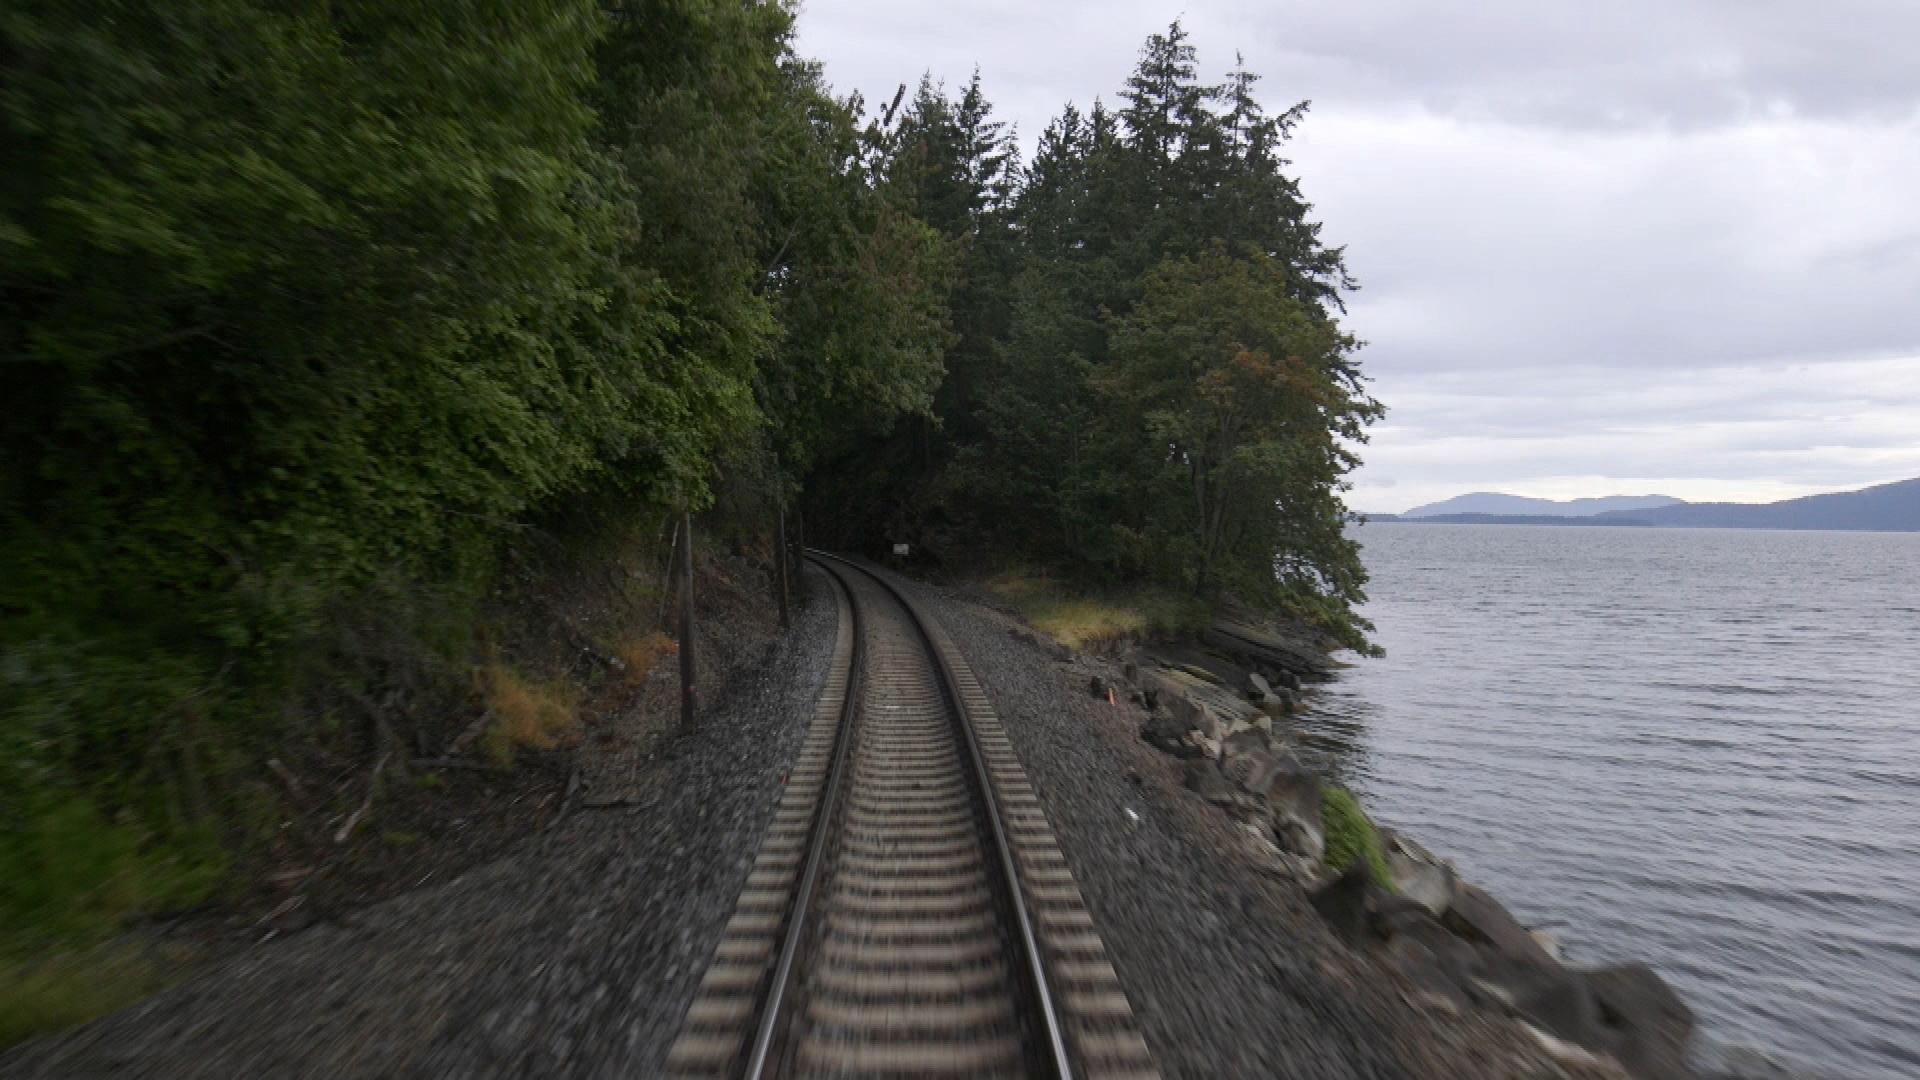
(773, 1007)
(1057, 1063)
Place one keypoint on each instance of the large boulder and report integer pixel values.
(1440, 965)
(1259, 691)
(1343, 903)
(1272, 700)
(1646, 1024)
(1404, 924)
(1245, 750)
(1481, 919)
(1259, 721)
(1259, 769)
(1169, 732)
(1194, 715)
(1418, 874)
(1203, 777)
(1293, 808)
(1289, 794)
(1239, 737)
(1197, 695)
(1198, 720)
(1559, 1001)
(1627, 1012)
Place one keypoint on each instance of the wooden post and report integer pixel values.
(780, 567)
(686, 622)
(799, 546)
(780, 554)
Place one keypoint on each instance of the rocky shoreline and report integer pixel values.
(1224, 704)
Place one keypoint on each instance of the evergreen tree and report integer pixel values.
(1171, 398)
(1250, 404)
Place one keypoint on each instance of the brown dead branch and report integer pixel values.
(373, 787)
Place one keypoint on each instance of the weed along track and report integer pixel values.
(909, 912)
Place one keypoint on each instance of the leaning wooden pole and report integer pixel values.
(780, 554)
(686, 622)
(781, 567)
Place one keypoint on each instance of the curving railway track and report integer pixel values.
(909, 912)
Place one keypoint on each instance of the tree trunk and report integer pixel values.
(780, 556)
(686, 622)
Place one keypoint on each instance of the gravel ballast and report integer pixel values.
(575, 955)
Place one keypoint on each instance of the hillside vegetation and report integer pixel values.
(318, 316)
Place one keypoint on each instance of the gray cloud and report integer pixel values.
(1632, 246)
(1622, 63)
(1495, 245)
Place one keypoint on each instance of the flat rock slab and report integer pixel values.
(1224, 711)
(1271, 646)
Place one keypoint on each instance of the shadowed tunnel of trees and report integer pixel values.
(311, 307)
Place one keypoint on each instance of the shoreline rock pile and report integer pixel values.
(1215, 702)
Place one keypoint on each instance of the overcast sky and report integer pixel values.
(1645, 246)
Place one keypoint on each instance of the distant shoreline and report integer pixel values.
(1609, 521)
(1506, 519)
(1891, 507)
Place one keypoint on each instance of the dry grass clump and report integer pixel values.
(526, 712)
(639, 656)
(1079, 617)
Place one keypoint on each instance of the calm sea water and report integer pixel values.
(1697, 748)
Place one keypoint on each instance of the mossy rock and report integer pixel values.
(1351, 837)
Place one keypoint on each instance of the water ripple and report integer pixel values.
(1696, 748)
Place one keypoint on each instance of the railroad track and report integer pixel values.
(909, 912)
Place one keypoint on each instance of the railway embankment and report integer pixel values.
(1210, 713)
(579, 950)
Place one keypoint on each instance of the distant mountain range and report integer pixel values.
(1493, 502)
(1886, 508)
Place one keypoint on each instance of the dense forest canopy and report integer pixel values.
(305, 300)
(1146, 381)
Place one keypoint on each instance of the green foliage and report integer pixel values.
(307, 311)
(59, 990)
(1249, 407)
(75, 875)
(1351, 837)
(314, 317)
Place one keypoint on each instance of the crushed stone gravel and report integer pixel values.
(574, 955)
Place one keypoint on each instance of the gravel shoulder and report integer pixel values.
(1229, 970)
(573, 955)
